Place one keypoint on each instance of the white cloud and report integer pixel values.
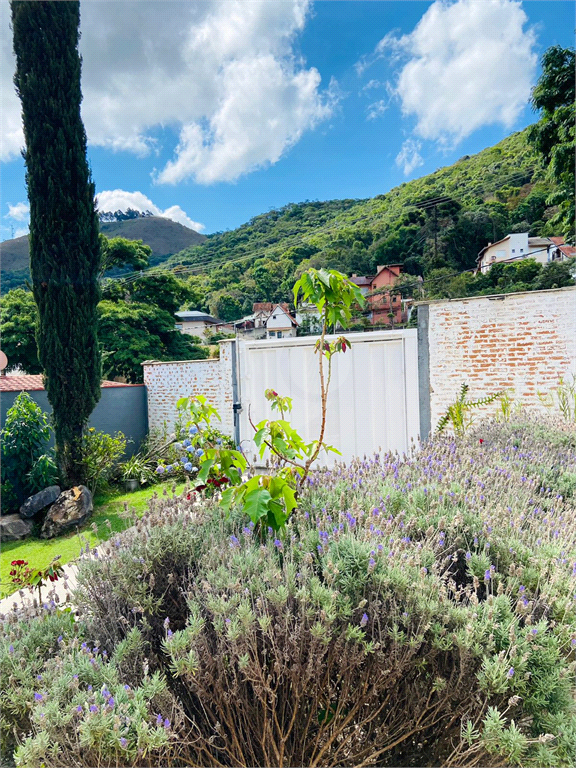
(18, 212)
(470, 64)
(372, 84)
(21, 231)
(224, 73)
(376, 109)
(409, 156)
(120, 200)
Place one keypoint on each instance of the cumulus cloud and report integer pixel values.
(409, 156)
(18, 212)
(223, 73)
(120, 200)
(469, 64)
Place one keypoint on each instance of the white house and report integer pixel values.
(268, 321)
(519, 246)
(280, 323)
(195, 323)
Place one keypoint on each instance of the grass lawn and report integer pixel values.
(107, 506)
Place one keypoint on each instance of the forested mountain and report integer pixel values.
(164, 236)
(501, 189)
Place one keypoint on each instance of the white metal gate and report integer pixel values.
(373, 401)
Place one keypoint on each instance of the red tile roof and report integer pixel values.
(33, 383)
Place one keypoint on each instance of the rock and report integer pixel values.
(39, 501)
(69, 510)
(12, 528)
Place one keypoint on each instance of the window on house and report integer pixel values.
(279, 334)
(513, 250)
(272, 333)
(178, 326)
(521, 250)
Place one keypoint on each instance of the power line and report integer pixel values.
(214, 263)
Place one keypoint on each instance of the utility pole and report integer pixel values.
(433, 202)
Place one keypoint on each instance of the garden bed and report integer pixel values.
(414, 611)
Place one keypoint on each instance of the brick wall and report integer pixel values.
(522, 342)
(166, 383)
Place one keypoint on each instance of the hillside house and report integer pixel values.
(519, 246)
(386, 308)
(195, 323)
(362, 282)
(268, 321)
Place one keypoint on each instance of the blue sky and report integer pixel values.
(213, 112)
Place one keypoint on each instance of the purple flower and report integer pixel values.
(188, 466)
(11, 649)
(60, 638)
(364, 620)
(123, 742)
(468, 555)
(234, 541)
(159, 720)
(93, 708)
(511, 672)
(79, 708)
(160, 470)
(487, 575)
(38, 697)
(111, 702)
(167, 724)
(277, 543)
(166, 622)
(199, 452)
(126, 687)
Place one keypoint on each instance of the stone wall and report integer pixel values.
(166, 383)
(521, 342)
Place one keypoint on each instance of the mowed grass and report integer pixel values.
(108, 507)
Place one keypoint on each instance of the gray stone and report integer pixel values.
(39, 501)
(71, 509)
(12, 528)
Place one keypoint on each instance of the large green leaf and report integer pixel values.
(256, 504)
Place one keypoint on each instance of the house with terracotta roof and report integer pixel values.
(519, 246)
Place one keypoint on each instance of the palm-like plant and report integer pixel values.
(457, 414)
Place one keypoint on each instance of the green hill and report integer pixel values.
(499, 190)
(164, 236)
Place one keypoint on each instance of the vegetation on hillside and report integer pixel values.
(502, 189)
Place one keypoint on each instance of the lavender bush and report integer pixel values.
(415, 611)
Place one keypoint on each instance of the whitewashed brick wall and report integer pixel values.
(521, 342)
(167, 382)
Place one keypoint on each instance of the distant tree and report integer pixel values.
(553, 136)
(64, 245)
(132, 333)
(118, 252)
(225, 307)
(161, 289)
(556, 275)
(18, 320)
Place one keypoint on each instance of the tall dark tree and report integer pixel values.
(64, 246)
(553, 135)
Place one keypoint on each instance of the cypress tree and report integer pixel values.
(64, 246)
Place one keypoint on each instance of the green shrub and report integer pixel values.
(415, 611)
(24, 441)
(100, 456)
